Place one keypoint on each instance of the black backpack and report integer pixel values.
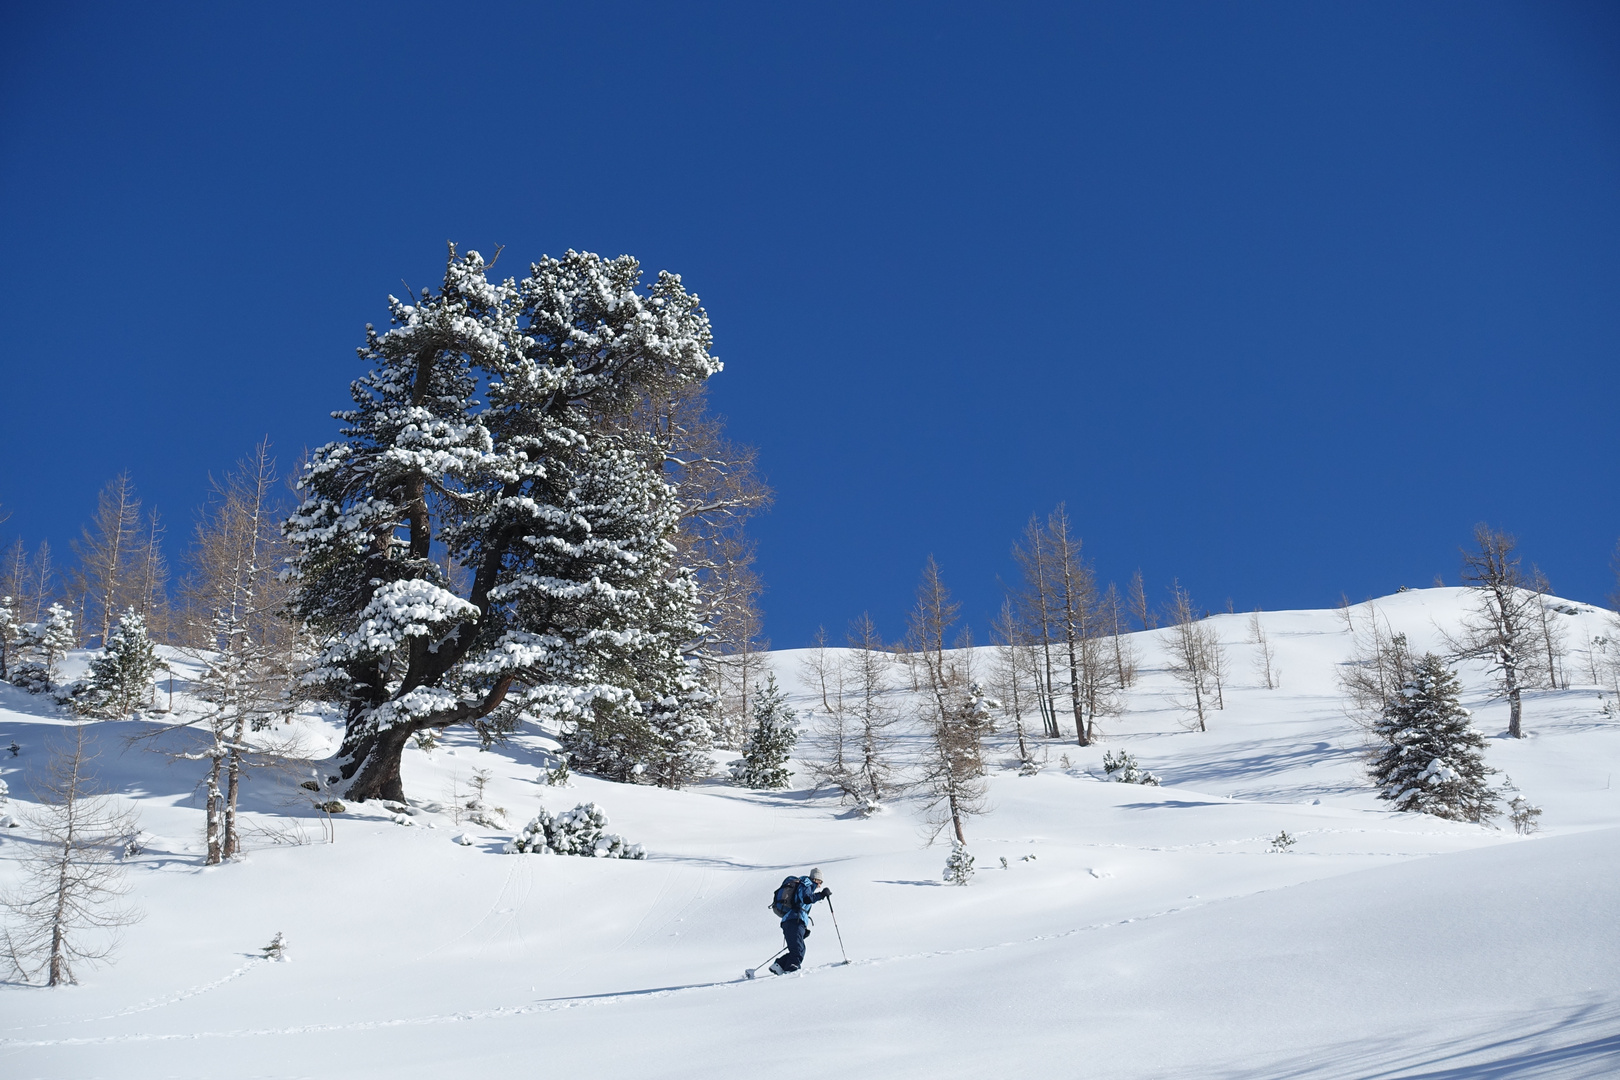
(786, 898)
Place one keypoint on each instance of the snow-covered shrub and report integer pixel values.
(959, 867)
(476, 809)
(1282, 841)
(1523, 815)
(31, 676)
(764, 761)
(5, 792)
(558, 776)
(1124, 769)
(1433, 759)
(277, 949)
(580, 831)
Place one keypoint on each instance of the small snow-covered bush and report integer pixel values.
(1124, 769)
(5, 792)
(580, 831)
(32, 677)
(1523, 815)
(959, 867)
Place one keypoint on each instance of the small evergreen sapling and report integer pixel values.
(765, 757)
(277, 949)
(1433, 758)
(959, 867)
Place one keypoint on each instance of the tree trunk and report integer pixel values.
(371, 764)
(1514, 730)
(214, 839)
(1074, 694)
(233, 777)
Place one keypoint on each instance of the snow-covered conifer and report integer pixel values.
(558, 597)
(765, 758)
(1433, 758)
(10, 635)
(118, 679)
(580, 831)
(50, 641)
(959, 867)
(1123, 768)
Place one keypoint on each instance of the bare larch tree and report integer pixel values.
(1503, 626)
(67, 908)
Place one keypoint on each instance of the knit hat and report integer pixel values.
(815, 875)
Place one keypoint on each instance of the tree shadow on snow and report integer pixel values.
(1584, 1042)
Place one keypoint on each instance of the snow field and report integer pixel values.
(1155, 933)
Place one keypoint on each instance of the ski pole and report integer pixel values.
(837, 931)
(774, 956)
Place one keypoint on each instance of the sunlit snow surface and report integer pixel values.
(1155, 933)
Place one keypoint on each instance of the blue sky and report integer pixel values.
(1279, 298)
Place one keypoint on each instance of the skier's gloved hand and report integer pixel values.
(824, 894)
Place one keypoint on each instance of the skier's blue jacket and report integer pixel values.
(802, 899)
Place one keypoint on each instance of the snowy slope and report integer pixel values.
(1154, 933)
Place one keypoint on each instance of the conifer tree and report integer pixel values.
(551, 496)
(118, 679)
(10, 635)
(56, 637)
(1503, 626)
(1433, 758)
(111, 553)
(765, 758)
(953, 709)
(65, 909)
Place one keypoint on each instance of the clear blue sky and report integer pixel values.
(1280, 298)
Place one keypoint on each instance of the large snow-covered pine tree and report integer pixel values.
(486, 560)
(1433, 758)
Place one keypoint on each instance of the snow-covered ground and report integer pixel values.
(1154, 932)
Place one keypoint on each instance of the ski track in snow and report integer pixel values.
(548, 1005)
(148, 1006)
(494, 909)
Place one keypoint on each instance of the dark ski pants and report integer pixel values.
(793, 932)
